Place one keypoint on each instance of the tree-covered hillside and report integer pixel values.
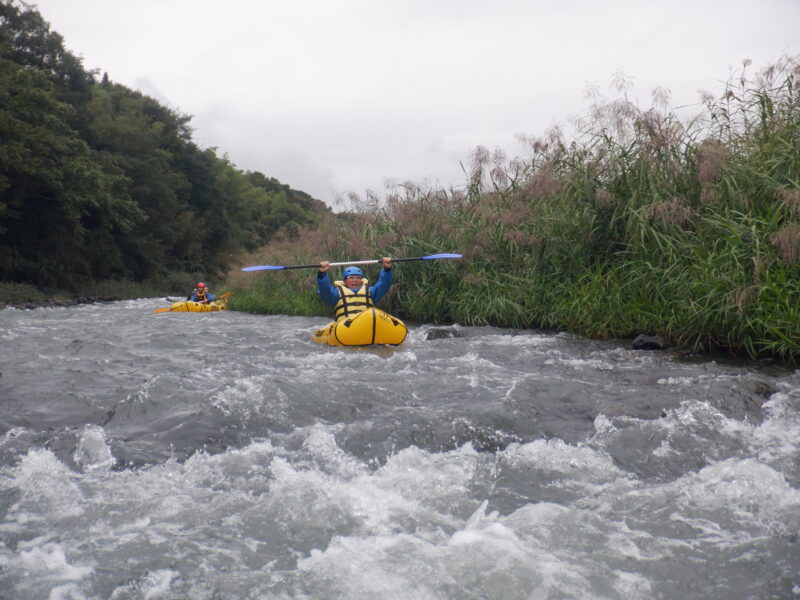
(100, 182)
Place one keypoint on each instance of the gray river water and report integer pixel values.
(227, 456)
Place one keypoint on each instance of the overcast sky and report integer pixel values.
(331, 96)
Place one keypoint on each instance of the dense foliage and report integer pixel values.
(99, 182)
(642, 224)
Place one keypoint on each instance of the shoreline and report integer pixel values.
(663, 346)
(59, 302)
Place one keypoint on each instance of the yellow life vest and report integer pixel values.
(201, 295)
(350, 302)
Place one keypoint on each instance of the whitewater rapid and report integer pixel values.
(226, 455)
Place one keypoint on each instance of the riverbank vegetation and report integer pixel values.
(642, 223)
(102, 187)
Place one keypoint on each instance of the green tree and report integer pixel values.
(49, 182)
(98, 181)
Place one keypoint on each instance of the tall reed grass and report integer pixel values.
(642, 223)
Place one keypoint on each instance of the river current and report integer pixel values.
(227, 456)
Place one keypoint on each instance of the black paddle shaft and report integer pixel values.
(361, 262)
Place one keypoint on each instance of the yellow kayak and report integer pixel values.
(189, 306)
(372, 326)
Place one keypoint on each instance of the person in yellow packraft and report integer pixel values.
(351, 295)
(201, 294)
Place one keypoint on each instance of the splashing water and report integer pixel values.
(224, 455)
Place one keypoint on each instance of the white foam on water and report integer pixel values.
(8, 335)
(473, 359)
(49, 561)
(684, 381)
(576, 463)
(481, 563)
(679, 433)
(632, 585)
(93, 450)
(46, 487)
(320, 450)
(531, 340)
(728, 506)
(488, 557)
(776, 441)
(745, 492)
(408, 541)
(410, 528)
(255, 396)
(560, 359)
(155, 584)
(681, 381)
(321, 489)
(69, 591)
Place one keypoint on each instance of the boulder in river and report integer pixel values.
(649, 342)
(439, 333)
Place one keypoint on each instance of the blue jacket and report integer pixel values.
(330, 295)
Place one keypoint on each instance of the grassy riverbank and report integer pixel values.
(644, 223)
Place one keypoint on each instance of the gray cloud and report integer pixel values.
(337, 96)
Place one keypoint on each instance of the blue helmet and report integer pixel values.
(351, 271)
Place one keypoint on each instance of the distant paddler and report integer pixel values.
(200, 294)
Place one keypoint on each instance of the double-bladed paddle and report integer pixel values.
(349, 262)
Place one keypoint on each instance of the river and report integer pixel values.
(227, 456)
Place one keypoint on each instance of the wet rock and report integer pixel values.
(746, 401)
(440, 333)
(649, 342)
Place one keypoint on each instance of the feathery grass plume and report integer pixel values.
(661, 97)
(672, 210)
(711, 156)
(789, 196)
(760, 266)
(743, 298)
(708, 195)
(542, 185)
(603, 198)
(787, 242)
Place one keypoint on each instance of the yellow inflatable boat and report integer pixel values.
(220, 303)
(189, 306)
(372, 326)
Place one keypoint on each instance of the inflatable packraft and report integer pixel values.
(371, 326)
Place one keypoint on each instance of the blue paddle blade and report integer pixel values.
(434, 256)
(263, 268)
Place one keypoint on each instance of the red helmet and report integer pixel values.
(201, 285)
